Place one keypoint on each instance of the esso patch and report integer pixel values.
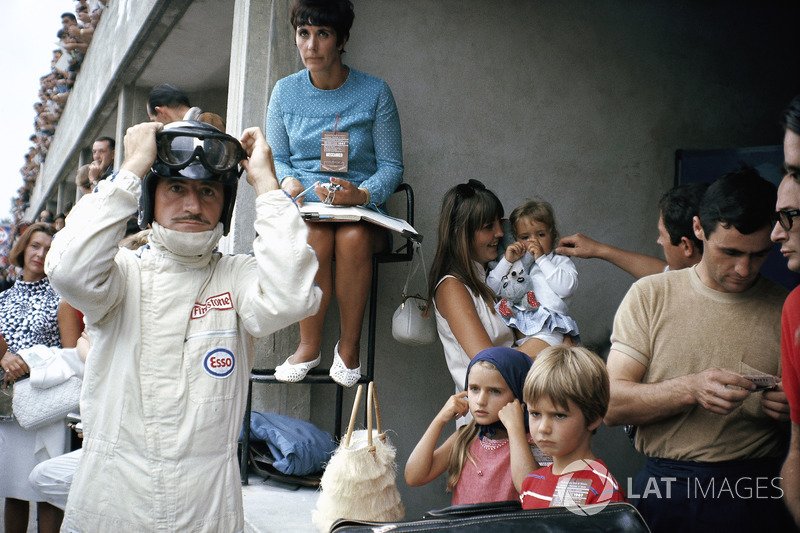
(219, 363)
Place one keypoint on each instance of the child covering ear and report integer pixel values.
(566, 393)
(476, 456)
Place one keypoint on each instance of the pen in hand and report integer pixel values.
(305, 191)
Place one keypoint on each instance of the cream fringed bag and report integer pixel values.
(359, 480)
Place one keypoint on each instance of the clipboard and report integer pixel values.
(319, 212)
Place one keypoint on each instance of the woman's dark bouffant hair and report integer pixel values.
(338, 14)
(465, 209)
(17, 254)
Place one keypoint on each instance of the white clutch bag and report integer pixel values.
(53, 390)
(34, 407)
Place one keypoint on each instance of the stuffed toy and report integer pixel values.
(516, 292)
(521, 309)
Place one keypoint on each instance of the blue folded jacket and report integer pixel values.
(299, 448)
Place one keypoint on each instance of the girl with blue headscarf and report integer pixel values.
(477, 456)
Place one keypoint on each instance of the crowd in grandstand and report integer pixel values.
(74, 37)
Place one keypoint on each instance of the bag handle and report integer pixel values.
(377, 407)
(353, 414)
(370, 392)
(372, 400)
(413, 270)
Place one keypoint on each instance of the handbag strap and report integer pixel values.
(372, 401)
(377, 407)
(413, 270)
(353, 414)
(370, 396)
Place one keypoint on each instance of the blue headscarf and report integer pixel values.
(513, 365)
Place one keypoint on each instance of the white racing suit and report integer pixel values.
(172, 348)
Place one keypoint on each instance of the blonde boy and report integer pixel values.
(566, 393)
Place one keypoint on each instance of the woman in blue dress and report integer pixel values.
(331, 103)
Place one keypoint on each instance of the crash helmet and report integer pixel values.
(193, 150)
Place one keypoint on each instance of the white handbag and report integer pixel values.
(34, 407)
(53, 389)
(409, 326)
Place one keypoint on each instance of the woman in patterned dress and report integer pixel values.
(31, 313)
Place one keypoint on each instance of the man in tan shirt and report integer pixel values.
(683, 346)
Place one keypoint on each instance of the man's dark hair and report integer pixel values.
(791, 116)
(678, 207)
(338, 14)
(46, 216)
(168, 95)
(69, 15)
(742, 199)
(109, 140)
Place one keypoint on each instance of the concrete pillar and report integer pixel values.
(60, 198)
(262, 52)
(124, 121)
(131, 109)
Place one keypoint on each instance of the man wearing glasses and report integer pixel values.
(787, 234)
(690, 350)
(173, 325)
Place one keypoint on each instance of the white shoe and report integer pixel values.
(289, 373)
(346, 377)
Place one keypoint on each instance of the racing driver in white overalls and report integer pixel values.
(172, 325)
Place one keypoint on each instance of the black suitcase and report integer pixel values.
(507, 517)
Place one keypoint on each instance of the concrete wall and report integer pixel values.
(583, 103)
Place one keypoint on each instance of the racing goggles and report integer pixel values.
(181, 143)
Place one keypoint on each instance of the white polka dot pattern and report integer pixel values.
(299, 113)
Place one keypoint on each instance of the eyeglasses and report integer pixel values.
(465, 190)
(217, 151)
(785, 217)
